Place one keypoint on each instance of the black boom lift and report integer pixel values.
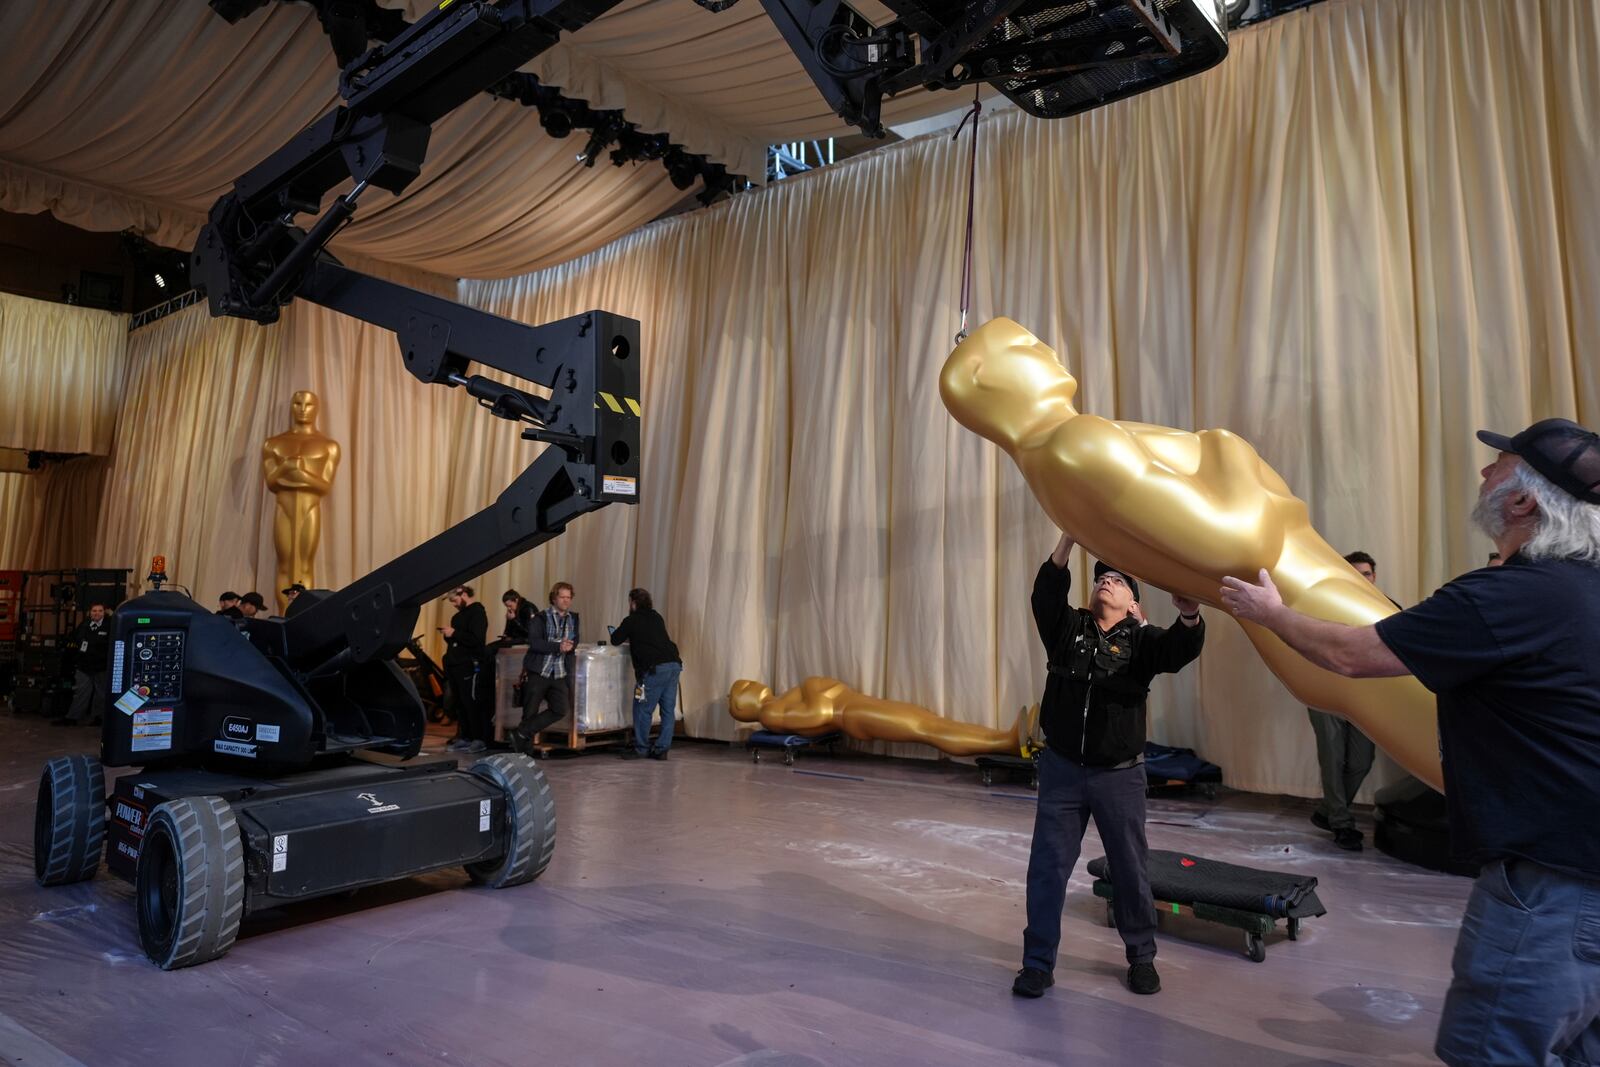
(276, 756)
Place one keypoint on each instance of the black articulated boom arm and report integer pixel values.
(251, 259)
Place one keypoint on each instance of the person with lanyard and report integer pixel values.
(92, 643)
(656, 666)
(553, 637)
(1510, 653)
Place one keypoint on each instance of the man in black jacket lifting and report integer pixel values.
(1093, 717)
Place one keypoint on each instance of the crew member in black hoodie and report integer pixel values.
(464, 640)
(1093, 717)
(656, 666)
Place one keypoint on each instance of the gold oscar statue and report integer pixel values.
(298, 466)
(822, 705)
(1181, 510)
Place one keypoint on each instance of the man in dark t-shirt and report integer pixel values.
(1512, 654)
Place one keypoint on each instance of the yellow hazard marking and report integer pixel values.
(445, 4)
(611, 402)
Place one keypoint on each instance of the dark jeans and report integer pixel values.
(1526, 972)
(552, 692)
(660, 684)
(1344, 756)
(1069, 794)
(471, 723)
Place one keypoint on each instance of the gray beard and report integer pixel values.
(1489, 515)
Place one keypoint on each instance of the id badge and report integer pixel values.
(638, 692)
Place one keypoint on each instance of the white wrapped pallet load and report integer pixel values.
(603, 689)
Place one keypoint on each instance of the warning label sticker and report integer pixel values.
(152, 730)
(280, 852)
(616, 483)
(234, 748)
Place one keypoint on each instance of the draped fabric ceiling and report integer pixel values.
(1364, 236)
(140, 113)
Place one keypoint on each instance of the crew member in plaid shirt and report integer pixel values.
(552, 638)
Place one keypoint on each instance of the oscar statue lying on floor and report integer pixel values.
(822, 705)
(1181, 510)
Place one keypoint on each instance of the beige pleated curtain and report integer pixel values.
(1364, 236)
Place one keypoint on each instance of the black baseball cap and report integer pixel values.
(1559, 449)
(1133, 583)
(295, 588)
(254, 598)
(229, 595)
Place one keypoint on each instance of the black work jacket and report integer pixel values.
(1093, 710)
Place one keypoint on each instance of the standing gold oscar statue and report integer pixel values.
(298, 466)
(822, 705)
(1181, 510)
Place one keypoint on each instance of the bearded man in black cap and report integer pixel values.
(1093, 717)
(1511, 653)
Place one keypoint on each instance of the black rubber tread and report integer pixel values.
(69, 820)
(204, 840)
(531, 812)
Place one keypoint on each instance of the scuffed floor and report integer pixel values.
(711, 911)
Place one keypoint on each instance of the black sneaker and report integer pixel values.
(658, 753)
(1349, 839)
(1320, 821)
(1032, 982)
(1143, 979)
(632, 753)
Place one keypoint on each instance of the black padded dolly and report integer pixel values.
(788, 744)
(1008, 767)
(1245, 898)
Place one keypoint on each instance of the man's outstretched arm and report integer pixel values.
(1353, 651)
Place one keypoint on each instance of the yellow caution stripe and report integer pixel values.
(614, 405)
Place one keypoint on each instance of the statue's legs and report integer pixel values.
(283, 548)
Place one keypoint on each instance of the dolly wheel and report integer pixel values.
(531, 812)
(1254, 947)
(69, 820)
(189, 889)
